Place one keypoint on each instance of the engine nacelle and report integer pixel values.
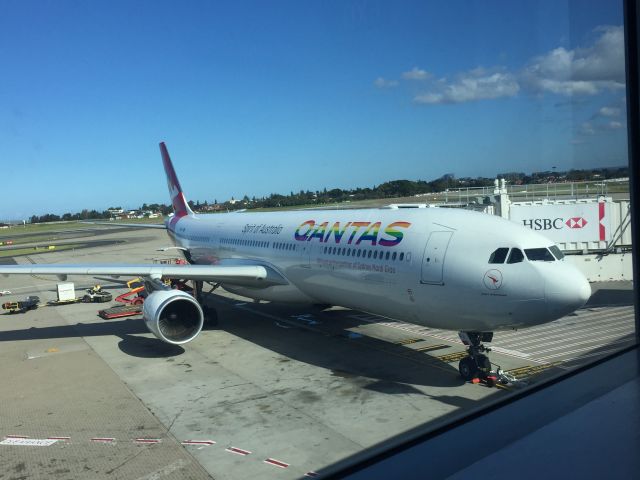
(173, 316)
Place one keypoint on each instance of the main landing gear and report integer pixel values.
(477, 364)
(210, 313)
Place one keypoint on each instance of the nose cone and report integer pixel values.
(566, 290)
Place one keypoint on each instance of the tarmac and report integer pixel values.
(273, 391)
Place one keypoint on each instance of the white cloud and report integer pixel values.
(577, 73)
(587, 129)
(384, 83)
(472, 86)
(416, 74)
(609, 112)
(581, 71)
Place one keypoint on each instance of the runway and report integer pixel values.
(272, 392)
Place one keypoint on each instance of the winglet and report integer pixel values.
(180, 205)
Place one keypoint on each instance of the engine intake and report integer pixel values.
(173, 316)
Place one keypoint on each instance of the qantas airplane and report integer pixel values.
(439, 267)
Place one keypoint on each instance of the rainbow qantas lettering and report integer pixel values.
(353, 233)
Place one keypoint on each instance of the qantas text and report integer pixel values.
(352, 232)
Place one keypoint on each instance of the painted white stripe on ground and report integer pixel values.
(569, 321)
(277, 463)
(532, 334)
(238, 451)
(164, 471)
(507, 351)
(29, 442)
(622, 343)
(595, 334)
(147, 440)
(198, 442)
(593, 343)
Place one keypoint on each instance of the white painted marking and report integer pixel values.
(276, 463)
(198, 442)
(164, 471)
(238, 451)
(103, 439)
(506, 351)
(29, 442)
(147, 440)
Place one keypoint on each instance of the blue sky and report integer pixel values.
(261, 97)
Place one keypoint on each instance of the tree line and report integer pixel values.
(391, 189)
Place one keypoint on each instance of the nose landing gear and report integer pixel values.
(476, 364)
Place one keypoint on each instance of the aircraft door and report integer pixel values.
(305, 254)
(433, 259)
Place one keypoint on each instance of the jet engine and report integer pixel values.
(173, 316)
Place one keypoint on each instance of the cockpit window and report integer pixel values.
(516, 256)
(539, 255)
(556, 252)
(499, 256)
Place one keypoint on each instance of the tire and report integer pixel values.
(467, 368)
(210, 316)
(483, 364)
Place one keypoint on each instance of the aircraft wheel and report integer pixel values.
(210, 316)
(483, 363)
(467, 368)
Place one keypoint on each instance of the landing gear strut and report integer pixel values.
(210, 313)
(477, 364)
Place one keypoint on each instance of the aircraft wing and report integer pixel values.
(243, 275)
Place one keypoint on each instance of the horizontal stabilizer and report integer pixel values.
(160, 226)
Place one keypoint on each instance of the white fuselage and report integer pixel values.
(426, 266)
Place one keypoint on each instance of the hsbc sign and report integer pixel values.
(565, 222)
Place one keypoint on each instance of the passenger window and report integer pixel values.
(393, 257)
(499, 256)
(369, 254)
(401, 256)
(387, 256)
(516, 256)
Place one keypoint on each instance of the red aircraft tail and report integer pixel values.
(180, 205)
